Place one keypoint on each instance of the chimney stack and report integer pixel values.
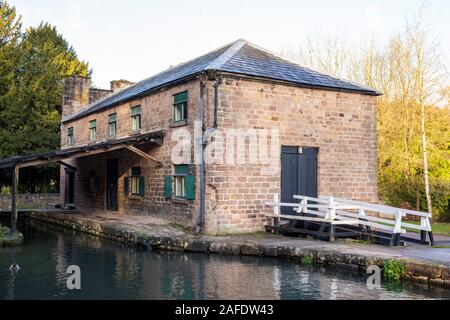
(117, 85)
(75, 95)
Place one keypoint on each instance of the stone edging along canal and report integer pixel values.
(169, 238)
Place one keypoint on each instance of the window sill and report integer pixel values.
(178, 124)
(180, 201)
(135, 197)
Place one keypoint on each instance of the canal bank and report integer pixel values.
(422, 264)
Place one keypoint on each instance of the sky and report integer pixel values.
(135, 39)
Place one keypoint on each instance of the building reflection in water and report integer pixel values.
(113, 271)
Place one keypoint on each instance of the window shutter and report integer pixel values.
(126, 187)
(190, 187)
(168, 187)
(141, 186)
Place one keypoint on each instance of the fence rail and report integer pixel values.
(331, 211)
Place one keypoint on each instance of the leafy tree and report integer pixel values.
(413, 133)
(33, 65)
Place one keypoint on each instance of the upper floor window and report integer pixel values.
(112, 125)
(136, 118)
(70, 136)
(93, 130)
(180, 106)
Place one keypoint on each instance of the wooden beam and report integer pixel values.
(14, 191)
(66, 165)
(142, 154)
(73, 156)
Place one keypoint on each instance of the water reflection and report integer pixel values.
(113, 271)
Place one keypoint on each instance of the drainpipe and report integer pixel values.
(201, 221)
(216, 99)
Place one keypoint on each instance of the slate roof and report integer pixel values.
(239, 57)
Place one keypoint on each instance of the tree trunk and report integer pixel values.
(417, 199)
(425, 161)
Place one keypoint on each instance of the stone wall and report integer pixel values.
(31, 201)
(156, 114)
(341, 125)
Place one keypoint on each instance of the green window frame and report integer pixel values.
(70, 139)
(180, 106)
(135, 184)
(136, 118)
(181, 185)
(93, 130)
(112, 125)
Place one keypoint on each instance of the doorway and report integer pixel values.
(112, 177)
(69, 198)
(298, 174)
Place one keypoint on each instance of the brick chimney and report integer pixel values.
(117, 85)
(75, 95)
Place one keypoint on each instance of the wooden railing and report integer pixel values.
(340, 212)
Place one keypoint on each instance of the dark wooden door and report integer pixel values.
(298, 174)
(70, 187)
(112, 177)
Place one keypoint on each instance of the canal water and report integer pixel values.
(113, 271)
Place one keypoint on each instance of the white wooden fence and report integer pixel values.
(337, 211)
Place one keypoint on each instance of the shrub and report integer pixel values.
(307, 260)
(393, 269)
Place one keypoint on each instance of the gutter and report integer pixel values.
(230, 74)
(367, 92)
(209, 75)
(201, 220)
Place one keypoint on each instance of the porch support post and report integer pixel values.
(14, 189)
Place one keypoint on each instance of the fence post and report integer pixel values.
(423, 232)
(430, 232)
(276, 212)
(395, 240)
(304, 203)
(331, 217)
(362, 215)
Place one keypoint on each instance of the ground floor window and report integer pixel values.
(135, 183)
(183, 184)
(180, 186)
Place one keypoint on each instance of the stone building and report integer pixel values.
(302, 132)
